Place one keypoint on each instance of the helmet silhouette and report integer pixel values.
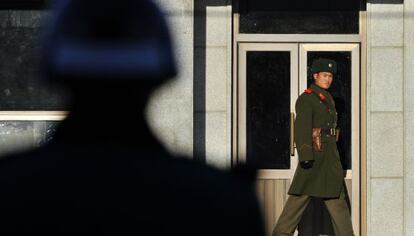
(106, 41)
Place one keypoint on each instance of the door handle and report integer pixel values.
(292, 134)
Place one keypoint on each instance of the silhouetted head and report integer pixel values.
(101, 45)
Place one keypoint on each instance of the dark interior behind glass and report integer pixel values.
(268, 109)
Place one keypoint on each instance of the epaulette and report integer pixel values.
(320, 95)
(308, 91)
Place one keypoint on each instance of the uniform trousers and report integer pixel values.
(296, 205)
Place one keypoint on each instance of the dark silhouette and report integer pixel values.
(104, 172)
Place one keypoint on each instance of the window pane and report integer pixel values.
(268, 109)
(305, 22)
(20, 86)
(341, 92)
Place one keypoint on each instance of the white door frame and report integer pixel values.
(299, 84)
(294, 68)
(360, 38)
(33, 115)
(354, 48)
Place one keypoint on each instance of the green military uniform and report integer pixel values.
(325, 178)
(315, 108)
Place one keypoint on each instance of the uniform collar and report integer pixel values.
(318, 90)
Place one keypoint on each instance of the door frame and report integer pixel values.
(298, 67)
(354, 48)
(361, 39)
(33, 115)
(294, 72)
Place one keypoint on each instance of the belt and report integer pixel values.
(329, 132)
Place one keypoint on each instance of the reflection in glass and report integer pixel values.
(51, 127)
(268, 109)
(17, 136)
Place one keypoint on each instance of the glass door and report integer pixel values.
(268, 88)
(271, 76)
(346, 93)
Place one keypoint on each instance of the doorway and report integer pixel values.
(270, 77)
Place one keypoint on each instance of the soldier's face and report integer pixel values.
(323, 79)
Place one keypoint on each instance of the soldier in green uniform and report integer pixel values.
(319, 173)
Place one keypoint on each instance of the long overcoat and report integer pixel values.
(315, 108)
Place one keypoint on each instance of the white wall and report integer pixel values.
(385, 144)
(216, 112)
(409, 117)
(170, 111)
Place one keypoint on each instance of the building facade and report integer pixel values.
(241, 70)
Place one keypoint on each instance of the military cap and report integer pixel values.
(324, 65)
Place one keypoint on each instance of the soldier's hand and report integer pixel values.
(306, 164)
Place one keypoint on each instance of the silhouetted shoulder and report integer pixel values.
(229, 201)
(165, 195)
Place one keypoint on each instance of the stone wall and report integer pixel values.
(408, 117)
(212, 78)
(170, 111)
(386, 116)
(192, 115)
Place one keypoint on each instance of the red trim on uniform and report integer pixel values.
(305, 145)
(321, 96)
(308, 90)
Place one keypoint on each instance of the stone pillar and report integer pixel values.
(385, 119)
(192, 115)
(170, 111)
(409, 117)
(212, 78)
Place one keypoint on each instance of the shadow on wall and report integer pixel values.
(200, 44)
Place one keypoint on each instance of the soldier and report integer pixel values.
(105, 173)
(319, 173)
